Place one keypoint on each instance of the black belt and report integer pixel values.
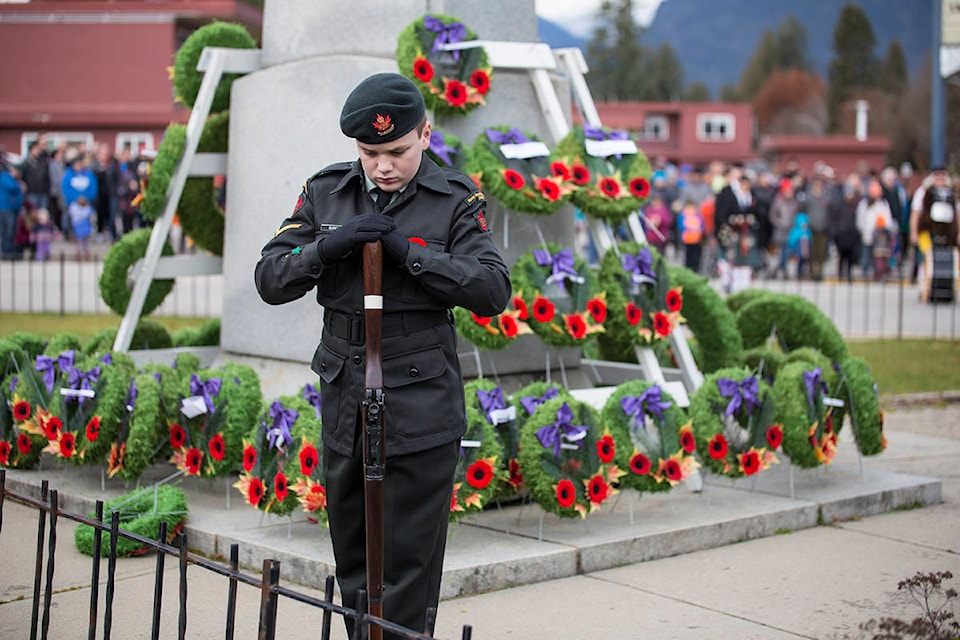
(350, 327)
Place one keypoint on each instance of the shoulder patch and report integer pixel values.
(301, 200)
(287, 227)
(481, 219)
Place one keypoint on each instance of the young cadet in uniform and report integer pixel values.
(438, 253)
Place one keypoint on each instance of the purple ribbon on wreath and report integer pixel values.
(530, 403)
(65, 360)
(278, 435)
(208, 389)
(561, 266)
(650, 400)
(440, 148)
(78, 379)
(312, 395)
(551, 434)
(746, 391)
(513, 136)
(446, 34)
(107, 358)
(639, 266)
(13, 382)
(599, 133)
(132, 394)
(813, 381)
(44, 366)
(491, 401)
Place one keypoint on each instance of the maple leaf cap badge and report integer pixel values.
(383, 124)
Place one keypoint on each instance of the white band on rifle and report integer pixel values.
(373, 302)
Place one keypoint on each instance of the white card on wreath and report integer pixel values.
(78, 393)
(470, 444)
(525, 150)
(604, 148)
(193, 406)
(832, 402)
(499, 416)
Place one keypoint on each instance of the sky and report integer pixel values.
(576, 15)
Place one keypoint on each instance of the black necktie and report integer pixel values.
(382, 197)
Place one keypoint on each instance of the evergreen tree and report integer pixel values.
(854, 64)
(893, 73)
(697, 92)
(792, 45)
(663, 75)
(614, 53)
(784, 49)
(729, 93)
(760, 66)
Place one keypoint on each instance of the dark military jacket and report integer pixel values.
(452, 261)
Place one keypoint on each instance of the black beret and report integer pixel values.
(382, 108)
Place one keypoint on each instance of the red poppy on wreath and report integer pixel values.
(674, 300)
(634, 314)
(597, 489)
(481, 320)
(581, 175)
(280, 486)
(749, 462)
(454, 503)
(480, 80)
(606, 448)
(23, 444)
(521, 306)
(509, 326)
(68, 444)
(314, 498)
(610, 187)
(93, 429)
(566, 493)
(774, 436)
(455, 93)
(178, 436)
(52, 427)
(576, 327)
(115, 459)
(422, 69)
(249, 457)
(560, 170)
(670, 469)
(309, 458)
(639, 187)
(687, 441)
(543, 309)
(516, 477)
(640, 464)
(480, 473)
(718, 447)
(548, 189)
(251, 488)
(598, 309)
(192, 461)
(4, 452)
(661, 324)
(513, 179)
(21, 410)
(217, 447)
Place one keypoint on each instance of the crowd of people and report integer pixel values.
(790, 225)
(67, 192)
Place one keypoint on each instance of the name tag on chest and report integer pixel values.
(329, 227)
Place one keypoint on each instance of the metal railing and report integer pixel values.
(268, 582)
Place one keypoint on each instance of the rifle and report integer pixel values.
(372, 406)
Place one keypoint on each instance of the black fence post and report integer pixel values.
(95, 574)
(232, 590)
(328, 597)
(41, 531)
(51, 555)
(270, 578)
(158, 580)
(360, 626)
(182, 625)
(3, 489)
(111, 574)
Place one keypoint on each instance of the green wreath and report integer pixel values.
(148, 334)
(278, 478)
(797, 321)
(610, 188)
(863, 406)
(206, 335)
(810, 426)
(116, 266)
(709, 320)
(483, 396)
(527, 185)
(563, 312)
(564, 477)
(447, 150)
(493, 332)
(529, 398)
(643, 308)
(186, 78)
(200, 216)
(450, 82)
(141, 513)
(654, 456)
(142, 431)
(738, 300)
(480, 475)
(32, 343)
(744, 442)
(764, 360)
(61, 342)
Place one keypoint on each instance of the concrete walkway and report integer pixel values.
(740, 561)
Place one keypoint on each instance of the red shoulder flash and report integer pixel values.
(300, 201)
(481, 220)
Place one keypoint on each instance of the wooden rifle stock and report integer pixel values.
(372, 409)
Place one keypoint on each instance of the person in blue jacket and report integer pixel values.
(798, 242)
(78, 181)
(11, 200)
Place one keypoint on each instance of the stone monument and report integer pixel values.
(284, 126)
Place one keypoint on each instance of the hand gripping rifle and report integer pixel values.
(372, 407)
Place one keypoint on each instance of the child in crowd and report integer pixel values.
(882, 249)
(82, 218)
(690, 226)
(798, 242)
(42, 234)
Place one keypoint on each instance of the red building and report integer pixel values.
(97, 71)
(693, 132)
(844, 154)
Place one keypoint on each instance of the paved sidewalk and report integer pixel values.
(800, 581)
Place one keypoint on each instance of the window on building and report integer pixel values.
(655, 127)
(56, 138)
(136, 142)
(716, 127)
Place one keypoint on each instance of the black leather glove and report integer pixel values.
(367, 227)
(396, 246)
